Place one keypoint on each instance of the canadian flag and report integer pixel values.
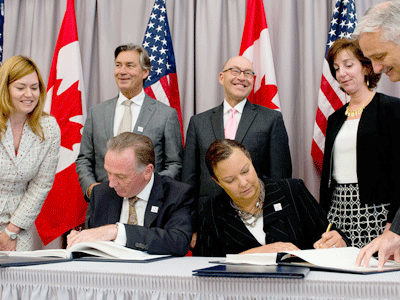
(256, 46)
(65, 206)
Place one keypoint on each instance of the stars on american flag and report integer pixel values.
(343, 22)
(158, 43)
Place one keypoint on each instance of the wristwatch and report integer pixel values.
(12, 235)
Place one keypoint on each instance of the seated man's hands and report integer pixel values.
(271, 248)
(330, 239)
(103, 233)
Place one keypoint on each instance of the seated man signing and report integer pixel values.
(138, 208)
(257, 214)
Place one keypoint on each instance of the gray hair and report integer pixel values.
(384, 16)
(144, 58)
(141, 145)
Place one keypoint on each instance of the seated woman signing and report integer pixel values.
(257, 214)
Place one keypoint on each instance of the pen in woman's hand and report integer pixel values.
(329, 227)
(327, 230)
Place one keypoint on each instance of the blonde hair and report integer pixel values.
(13, 69)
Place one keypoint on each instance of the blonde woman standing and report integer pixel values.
(29, 151)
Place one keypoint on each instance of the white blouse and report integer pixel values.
(345, 153)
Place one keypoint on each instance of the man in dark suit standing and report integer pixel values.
(138, 208)
(261, 130)
(132, 111)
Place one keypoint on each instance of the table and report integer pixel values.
(172, 279)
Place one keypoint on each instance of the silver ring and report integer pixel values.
(333, 246)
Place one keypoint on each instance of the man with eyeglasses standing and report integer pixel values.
(261, 130)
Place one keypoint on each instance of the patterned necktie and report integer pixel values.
(126, 121)
(132, 219)
(231, 125)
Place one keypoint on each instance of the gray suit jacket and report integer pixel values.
(261, 130)
(159, 122)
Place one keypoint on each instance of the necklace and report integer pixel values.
(246, 216)
(353, 113)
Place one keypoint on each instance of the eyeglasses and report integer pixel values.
(236, 72)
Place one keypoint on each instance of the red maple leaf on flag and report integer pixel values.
(70, 131)
(266, 92)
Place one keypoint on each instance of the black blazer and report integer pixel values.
(378, 158)
(168, 230)
(301, 220)
(261, 130)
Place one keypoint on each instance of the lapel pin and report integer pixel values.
(140, 129)
(277, 207)
(154, 209)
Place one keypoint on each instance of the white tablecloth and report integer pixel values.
(172, 279)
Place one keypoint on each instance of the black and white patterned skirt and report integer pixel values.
(361, 223)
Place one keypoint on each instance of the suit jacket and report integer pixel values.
(395, 227)
(378, 159)
(301, 220)
(167, 230)
(261, 130)
(27, 178)
(158, 121)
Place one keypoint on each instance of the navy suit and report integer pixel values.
(167, 229)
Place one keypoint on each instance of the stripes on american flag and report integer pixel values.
(162, 83)
(330, 97)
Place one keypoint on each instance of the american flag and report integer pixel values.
(330, 97)
(162, 83)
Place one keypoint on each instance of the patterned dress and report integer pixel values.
(27, 177)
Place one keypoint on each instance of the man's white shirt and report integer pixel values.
(140, 208)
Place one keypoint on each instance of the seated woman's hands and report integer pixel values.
(271, 248)
(330, 239)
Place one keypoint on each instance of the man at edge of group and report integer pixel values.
(138, 113)
(137, 207)
(378, 33)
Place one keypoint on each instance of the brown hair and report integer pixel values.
(13, 69)
(220, 150)
(141, 145)
(352, 45)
